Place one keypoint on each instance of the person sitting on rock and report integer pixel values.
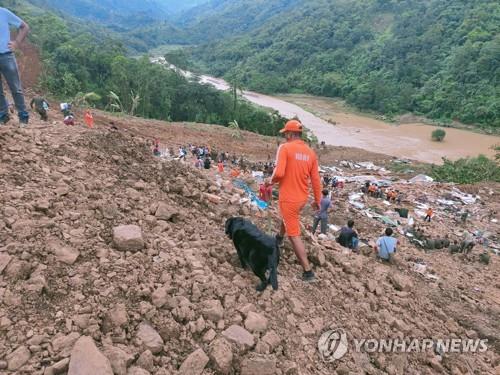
(386, 246)
(69, 120)
(348, 236)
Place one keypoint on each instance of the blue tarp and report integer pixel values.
(253, 197)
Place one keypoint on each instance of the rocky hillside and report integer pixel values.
(115, 262)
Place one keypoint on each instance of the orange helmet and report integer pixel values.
(293, 126)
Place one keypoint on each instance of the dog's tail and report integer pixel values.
(273, 260)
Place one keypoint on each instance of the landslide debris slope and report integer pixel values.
(115, 262)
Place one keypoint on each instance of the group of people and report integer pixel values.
(332, 181)
(374, 190)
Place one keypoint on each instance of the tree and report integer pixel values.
(438, 135)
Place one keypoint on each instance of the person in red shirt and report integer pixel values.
(220, 166)
(296, 168)
(266, 191)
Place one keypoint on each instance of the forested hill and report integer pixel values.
(219, 19)
(439, 58)
(84, 65)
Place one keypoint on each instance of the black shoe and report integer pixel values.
(4, 119)
(308, 276)
(262, 286)
(24, 121)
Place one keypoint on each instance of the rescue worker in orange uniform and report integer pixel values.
(296, 168)
(89, 119)
(429, 213)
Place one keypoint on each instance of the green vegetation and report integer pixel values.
(467, 170)
(438, 135)
(438, 58)
(77, 62)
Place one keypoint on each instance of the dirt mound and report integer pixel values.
(112, 261)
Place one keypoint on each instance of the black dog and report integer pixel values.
(255, 249)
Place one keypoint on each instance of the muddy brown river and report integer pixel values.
(412, 141)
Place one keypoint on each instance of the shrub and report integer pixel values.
(438, 135)
(467, 170)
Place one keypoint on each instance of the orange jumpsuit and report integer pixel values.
(89, 119)
(296, 165)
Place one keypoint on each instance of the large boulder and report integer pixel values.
(221, 355)
(213, 310)
(150, 339)
(258, 366)
(128, 238)
(166, 212)
(239, 336)
(18, 358)
(87, 359)
(256, 322)
(118, 316)
(118, 358)
(64, 254)
(194, 363)
(401, 282)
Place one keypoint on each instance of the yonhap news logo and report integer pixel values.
(334, 344)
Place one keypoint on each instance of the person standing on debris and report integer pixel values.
(348, 236)
(8, 65)
(220, 166)
(429, 214)
(386, 246)
(464, 216)
(207, 163)
(89, 119)
(266, 191)
(41, 106)
(296, 165)
(65, 109)
(322, 214)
